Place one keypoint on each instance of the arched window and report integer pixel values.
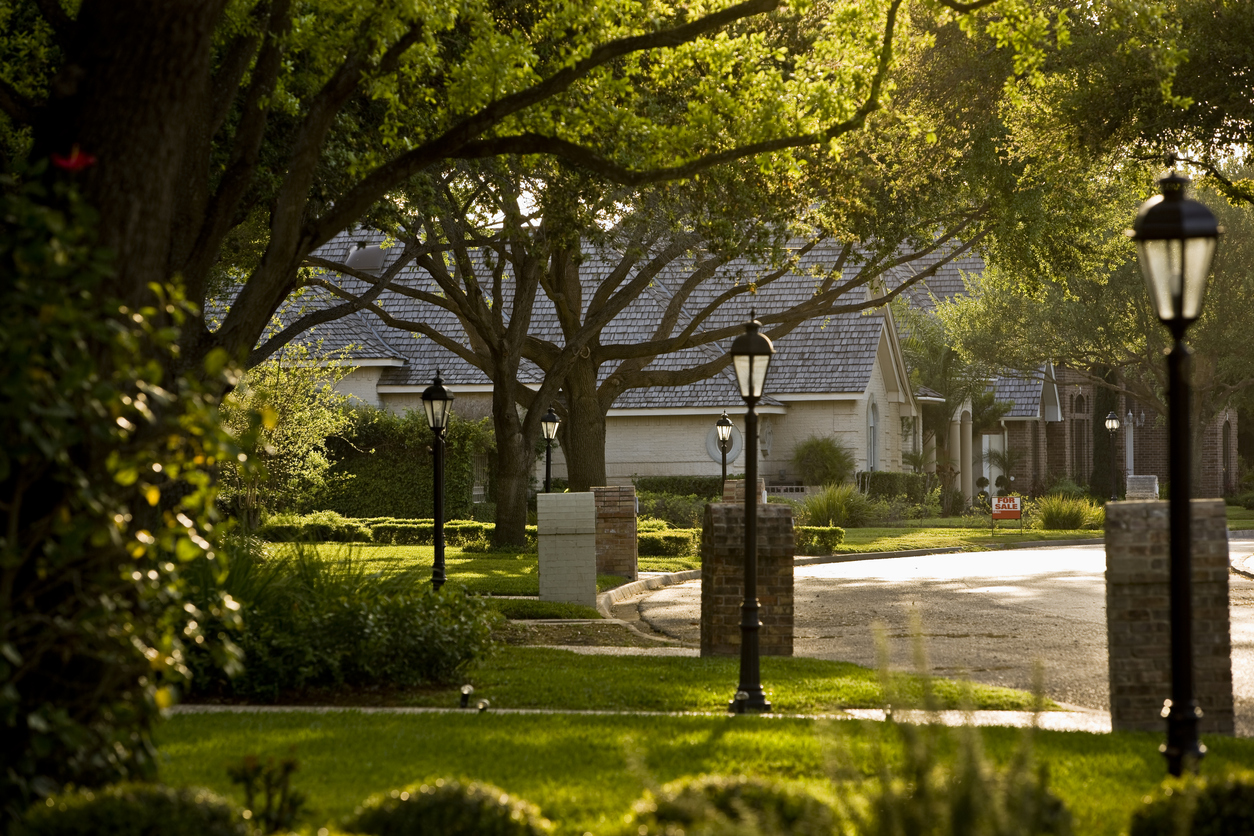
(1226, 458)
(872, 446)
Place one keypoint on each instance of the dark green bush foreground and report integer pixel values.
(135, 810)
(1198, 807)
(725, 804)
(308, 621)
(448, 808)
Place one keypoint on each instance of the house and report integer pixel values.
(842, 376)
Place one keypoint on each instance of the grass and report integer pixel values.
(537, 677)
(527, 608)
(579, 769)
(1240, 519)
(859, 540)
(498, 573)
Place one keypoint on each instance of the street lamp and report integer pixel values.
(438, 402)
(751, 356)
(724, 427)
(1112, 426)
(1175, 241)
(549, 424)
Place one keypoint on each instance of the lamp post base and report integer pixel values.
(745, 702)
(1182, 750)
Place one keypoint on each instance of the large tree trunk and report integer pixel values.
(514, 457)
(583, 431)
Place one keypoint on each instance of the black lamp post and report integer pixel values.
(1175, 240)
(724, 427)
(751, 355)
(549, 424)
(1112, 426)
(438, 402)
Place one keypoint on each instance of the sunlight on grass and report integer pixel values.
(576, 767)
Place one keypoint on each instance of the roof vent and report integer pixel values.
(366, 259)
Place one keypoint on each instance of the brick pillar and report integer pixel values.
(723, 578)
(734, 491)
(567, 529)
(616, 532)
(1138, 614)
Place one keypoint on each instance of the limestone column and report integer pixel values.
(929, 454)
(965, 460)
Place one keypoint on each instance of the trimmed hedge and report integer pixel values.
(733, 804)
(1194, 806)
(886, 484)
(327, 526)
(388, 459)
(818, 539)
(677, 542)
(707, 487)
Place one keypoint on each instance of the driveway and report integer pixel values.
(990, 616)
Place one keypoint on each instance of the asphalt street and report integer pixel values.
(989, 616)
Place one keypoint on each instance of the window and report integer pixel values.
(872, 447)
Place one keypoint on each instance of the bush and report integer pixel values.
(646, 523)
(135, 810)
(840, 505)
(1246, 501)
(887, 484)
(383, 466)
(709, 488)
(448, 808)
(308, 621)
(672, 543)
(1065, 487)
(823, 461)
(678, 511)
(1198, 807)
(721, 804)
(318, 527)
(1064, 513)
(817, 540)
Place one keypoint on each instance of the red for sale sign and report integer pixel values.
(1007, 508)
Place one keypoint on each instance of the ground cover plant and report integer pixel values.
(584, 772)
(864, 540)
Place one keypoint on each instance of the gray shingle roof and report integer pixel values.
(1023, 391)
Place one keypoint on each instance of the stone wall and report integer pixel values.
(1138, 614)
(567, 528)
(734, 491)
(617, 549)
(723, 576)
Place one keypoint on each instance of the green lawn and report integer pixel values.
(1240, 519)
(858, 540)
(537, 677)
(579, 769)
(484, 574)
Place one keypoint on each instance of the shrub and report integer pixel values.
(719, 804)
(1246, 501)
(135, 810)
(823, 461)
(1065, 487)
(705, 487)
(646, 523)
(678, 511)
(1062, 513)
(887, 484)
(672, 543)
(309, 621)
(817, 539)
(448, 808)
(318, 527)
(1198, 807)
(841, 505)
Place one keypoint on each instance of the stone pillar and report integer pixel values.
(723, 578)
(929, 454)
(1138, 614)
(616, 532)
(567, 528)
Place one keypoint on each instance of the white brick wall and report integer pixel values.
(568, 547)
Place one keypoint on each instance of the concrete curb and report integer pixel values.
(606, 600)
